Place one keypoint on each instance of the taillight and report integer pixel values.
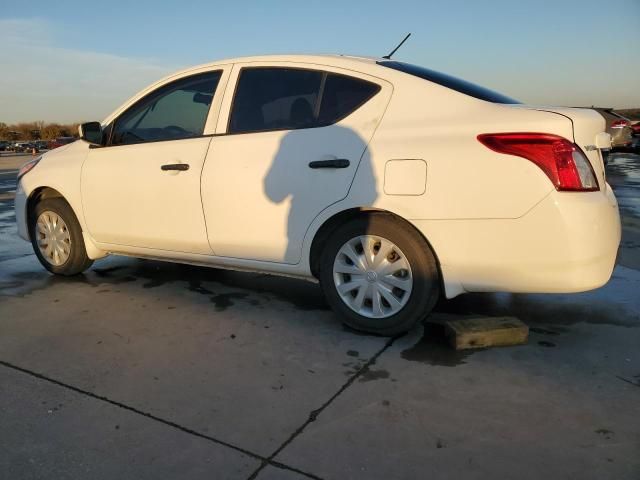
(561, 160)
(620, 124)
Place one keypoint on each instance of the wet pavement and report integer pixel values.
(143, 369)
(7, 184)
(623, 174)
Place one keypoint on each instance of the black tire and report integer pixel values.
(78, 261)
(426, 280)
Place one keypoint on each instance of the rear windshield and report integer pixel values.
(448, 81)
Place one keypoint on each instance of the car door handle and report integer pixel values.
(335, 163)
(175, 166)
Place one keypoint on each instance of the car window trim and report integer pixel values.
(323, 82)
(450, 82)
(212, 135)
(112, 124)
(204, 135)
(317, 124)
(326, 73)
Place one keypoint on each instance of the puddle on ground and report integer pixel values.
(433, 349)
(369, 375)
(223, 301)
(623, 174)
(547, 331)
(301, 294)
(553, 311)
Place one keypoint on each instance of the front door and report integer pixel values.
(295, 138)
(142, 189)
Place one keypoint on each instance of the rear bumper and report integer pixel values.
(566, 243)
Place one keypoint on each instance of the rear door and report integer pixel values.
(293, 136)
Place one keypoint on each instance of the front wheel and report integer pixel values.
(379, 275)
(56, 237)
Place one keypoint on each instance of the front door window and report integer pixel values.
(175, 111)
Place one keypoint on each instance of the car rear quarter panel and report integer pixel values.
(465, 179)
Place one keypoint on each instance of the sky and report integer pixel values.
(69, 61)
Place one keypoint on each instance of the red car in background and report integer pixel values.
(58, 142)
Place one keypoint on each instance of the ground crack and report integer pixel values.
(314, 414)
(264, 461)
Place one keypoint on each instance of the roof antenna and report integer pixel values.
(388, 57)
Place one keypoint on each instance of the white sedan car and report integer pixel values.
(390, 183)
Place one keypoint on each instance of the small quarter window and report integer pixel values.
(343, 95)
(175, 111)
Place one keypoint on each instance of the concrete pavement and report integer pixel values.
(143, 369)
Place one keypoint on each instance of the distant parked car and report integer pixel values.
(60, 141)
(42, 145)
(618, 127)
(20, 147)
(635, 126)
(4, 146)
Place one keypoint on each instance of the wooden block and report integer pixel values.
(480, 332)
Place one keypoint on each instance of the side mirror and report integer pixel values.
(91, 132)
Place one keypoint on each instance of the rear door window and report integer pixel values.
(273, 98)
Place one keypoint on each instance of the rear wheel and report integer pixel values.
(56, 237)
(379, 275)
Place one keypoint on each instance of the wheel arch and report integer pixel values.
(333, 222)
(45, 192)
(39, 194)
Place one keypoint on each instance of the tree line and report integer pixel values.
(37, 130)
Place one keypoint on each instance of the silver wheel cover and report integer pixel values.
(372, 276)
(53, 238)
